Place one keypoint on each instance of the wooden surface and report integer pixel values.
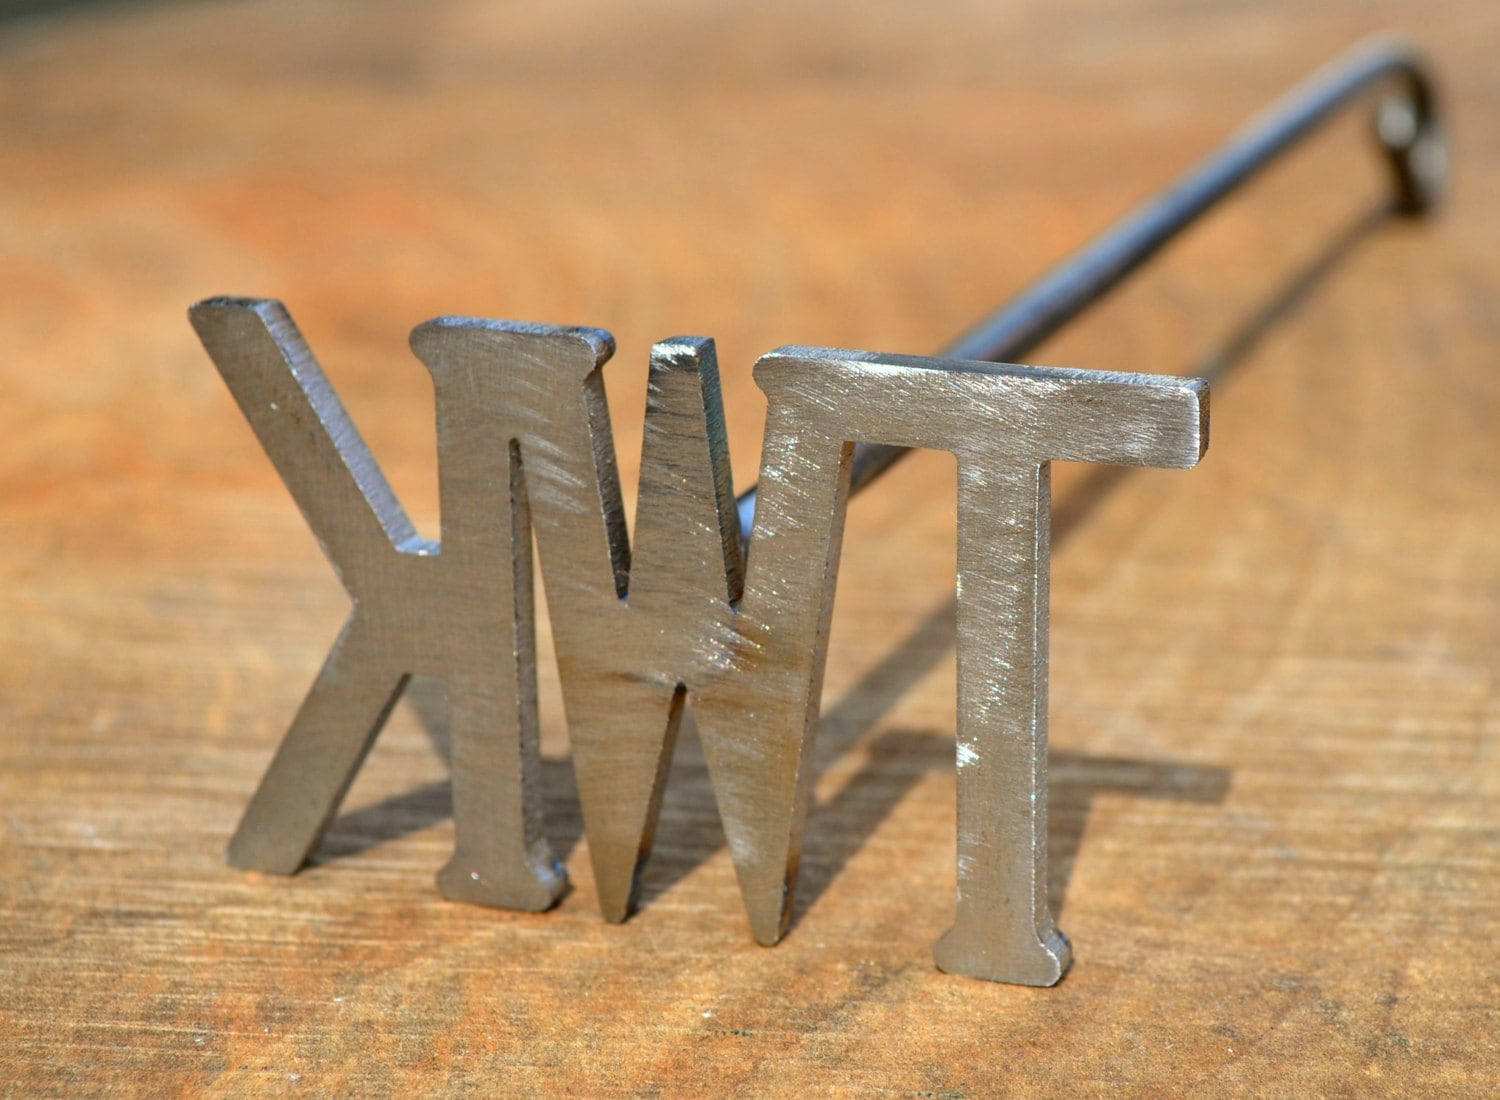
(1275, 709)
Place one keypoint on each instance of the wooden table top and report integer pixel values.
(1275, 690)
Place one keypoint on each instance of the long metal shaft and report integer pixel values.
(1409, 135)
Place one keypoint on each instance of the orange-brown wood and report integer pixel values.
(1275, 712)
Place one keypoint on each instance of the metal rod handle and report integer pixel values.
(1406, 127)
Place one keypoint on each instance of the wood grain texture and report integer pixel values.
(1275, 816)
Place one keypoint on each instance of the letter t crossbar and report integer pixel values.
(525, 447)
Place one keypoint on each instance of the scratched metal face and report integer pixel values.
(525, 446)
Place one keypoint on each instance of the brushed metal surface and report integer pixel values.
(525, 446)
(463, 614)
(1005, 424)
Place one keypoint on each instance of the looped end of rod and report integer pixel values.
(1409, 129)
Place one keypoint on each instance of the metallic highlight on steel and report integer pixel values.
(1005, 424)
(684, 617)
(525, 448)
